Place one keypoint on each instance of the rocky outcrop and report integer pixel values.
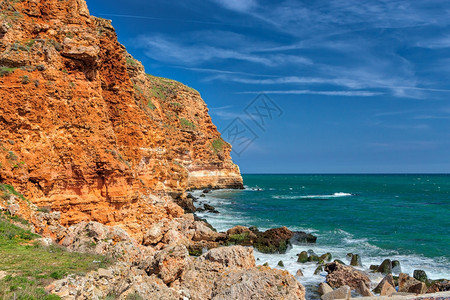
(339, 275)
(83, 129)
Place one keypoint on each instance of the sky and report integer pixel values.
(343, 86)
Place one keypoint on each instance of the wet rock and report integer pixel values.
(385, 267)
(240, 235)
(273, 240)
(303, 238)
(318, 270)
(202, 196)
(313, 258)
(364, 290)
(302, 257)
(340, 275)
(210, 208)
(420, 275)
(253, 228)
(326, 257)
(280, 263)
(389, 279)
(373, 267)
(324, 288)
(206, 191)
(387, 289)
(299, 273)
(439, 286)
(343, 292)
(339, 261)
(356, 260)
(396, 267)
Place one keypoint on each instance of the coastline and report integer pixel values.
(222, 200)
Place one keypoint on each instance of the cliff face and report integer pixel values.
(83, 129)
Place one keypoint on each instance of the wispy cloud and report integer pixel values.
(237, 5)
(324, 93)
(436, 43)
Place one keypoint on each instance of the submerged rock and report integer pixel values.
(302, 257)
(303, 238)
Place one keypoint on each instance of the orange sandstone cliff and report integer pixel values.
(83, 129)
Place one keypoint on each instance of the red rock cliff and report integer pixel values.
(85, 131)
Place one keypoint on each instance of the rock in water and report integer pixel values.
(396, 267)
(326, 257)
(440, 286)
(356, 260)
(318, 270)
(343, 292)
(302, 257)
(280, 263)
(299, 273)
(385, 267)
(303, 238)
(420, 275)
(339, 275)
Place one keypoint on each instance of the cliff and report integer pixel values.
(83, 129)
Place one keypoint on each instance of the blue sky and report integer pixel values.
(363, 86)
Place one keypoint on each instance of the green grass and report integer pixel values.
(186, 123)
(8, 190)
(31, 267)
(217, 145)
(4, 71)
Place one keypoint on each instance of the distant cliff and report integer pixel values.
(83, 129)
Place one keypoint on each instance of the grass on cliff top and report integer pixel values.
(27, 267)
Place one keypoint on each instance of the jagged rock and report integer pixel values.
(4, 28)
(303, 237)
(313, 258)
(418, 288)
(205, 233)
(389, 279)
(385, 267)
(186, 203)
(206, 191)
(299, 273)
(169, 264)
(302, 257)
(387, 289)
(210, 208)
(364, 290)
(280, 263)
(324, 288)
(420, 275)
(343, 292)
(373, 267)
(356, 260)
(234, 256)
(154, 234)
(440, 286)
(339, 261)
(339, 275)
(405, 282)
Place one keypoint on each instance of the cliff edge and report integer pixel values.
(85, 131)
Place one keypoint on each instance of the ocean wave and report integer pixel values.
(335, 195)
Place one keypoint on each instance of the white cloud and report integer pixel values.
(237, 5)
(436, 43)
(324, 93)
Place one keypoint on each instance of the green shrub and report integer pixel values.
(4, 71)
(217, 145)
(186, 123)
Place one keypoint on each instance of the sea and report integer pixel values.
(400, 217)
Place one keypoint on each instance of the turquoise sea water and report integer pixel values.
(405, 217)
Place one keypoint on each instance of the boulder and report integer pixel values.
(233, 256)
(313, 258)
(387, 289)
(385, 267)
(389, 279)
(418, 288)
(340, 275)
(343, 292)
(420, 275)
(153, 235)
(302, 257)
(273, 240)
(169, 264)
(205, 233)
(363, 290)
(299, 273)
(405, 282)
(240, 235)
(326, 257)
(324, 288)
(439, 286)
(210, 208)
(318, 270)
(373, 267)
(280, 263)
(356, 260)
(303, 238)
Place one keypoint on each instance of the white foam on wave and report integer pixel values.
(335, 195)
